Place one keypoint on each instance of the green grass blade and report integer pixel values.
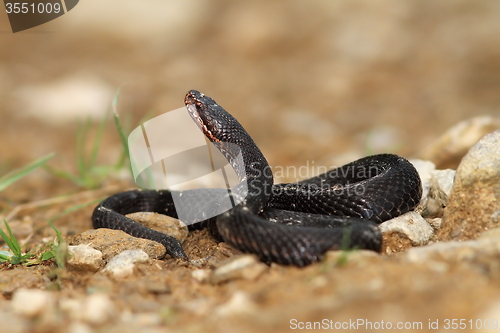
(58, 233)
(16, 174)
(47, 255)
(10, 240)
(121, 132)
(97, 141)
(16, 249)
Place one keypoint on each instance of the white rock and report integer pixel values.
(455, 143)
(444, 179)
(455, 250)
(32, 302)
(474, 204)
(98, 309)
(122, 265)
(72, 307)
(246, 266)
(239, 303)
(411, 224)
(201, 275)
(435, 222)
(436, 187)
(84, 257)
(482, 162)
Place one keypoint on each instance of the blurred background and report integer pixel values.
(323, 81)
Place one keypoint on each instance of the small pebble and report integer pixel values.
(435, 222)
(201, 275)
(246, 267)
(71, 307)
(98, 309)
(123, 264)
(32, 302)
(412, 225)
(84, 257)
(239, 303)
(444, 179)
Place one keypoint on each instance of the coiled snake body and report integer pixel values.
(292, 224)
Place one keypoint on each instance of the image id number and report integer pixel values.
(32, 8)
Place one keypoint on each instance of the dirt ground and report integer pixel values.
(314, 83)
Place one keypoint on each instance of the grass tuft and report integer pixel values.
(17, 256)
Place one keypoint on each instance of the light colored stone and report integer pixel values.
(448, 150)
(412, 225)
(474, 199)
(440, 185)
(71, 307)
(435, 222)
(455, 251)
(98, 309)
(162, 223)
(482, 162)
(444, 179)
(84, 257)
(32, 302)
(240, 303)
(436, 187)
(123, 264)
(201, 275)
(246, 267)
(112, 242)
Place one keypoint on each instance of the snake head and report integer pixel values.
(210, 117)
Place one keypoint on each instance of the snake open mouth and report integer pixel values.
(194, 112)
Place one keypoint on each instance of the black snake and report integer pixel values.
(292, 224)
